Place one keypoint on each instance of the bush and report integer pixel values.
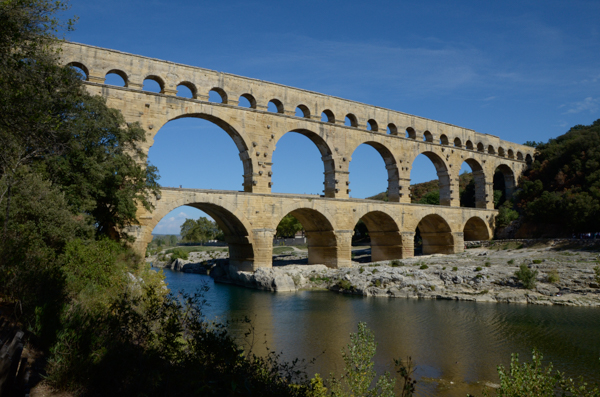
(374, 271)
(396, 263)
(177, 253)
(553, 276)
(423, 267)
(488, 264)
(506, 215)
(537, 261)
(378, 283)
(527, 276)
(478, 269)
(345, 284)
(597, 273)
(454, 269)
(511, 262)
(361, 270)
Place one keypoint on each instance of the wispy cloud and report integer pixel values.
(589, 103)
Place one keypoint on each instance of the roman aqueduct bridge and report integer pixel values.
(337, 127)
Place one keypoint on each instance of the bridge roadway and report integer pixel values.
(249, 221)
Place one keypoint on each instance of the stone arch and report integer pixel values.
(428, 136)
(83, 68)
(436, 234)
(508, 177)
(469, 145)
(501, 152)
(304, 110)
(491, 149)
(278, 105)
(372, 125)
(392, 129)
(443, 176)
(511, 154)
(480, 147)
(328, 115)
(251, 100)
(528, 159)
(326, 157)
(190, 86)
(411, 133)
(320, 236)
(221, 92)
(386, 240)
(391, 166)
(119, 73)
(519, 156)
(457, 142)
(353, 121)
(479, 181)
(444, 140)
(475, 230)
(239, 140)
(234, 225)
(158, 80)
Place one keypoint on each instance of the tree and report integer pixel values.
(431, 198)
(288, 226)
(199, 231)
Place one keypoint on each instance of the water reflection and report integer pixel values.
(460, 342)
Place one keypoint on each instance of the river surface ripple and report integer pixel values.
(460, 343)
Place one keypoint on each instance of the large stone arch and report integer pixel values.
(320, 235)
(326, 157)
(508, 178)
(476, 229)
(391, 167)
(443, 174)
(436, 234)
(238, 138)
(235, 226)
(479, 178)
(386, 239)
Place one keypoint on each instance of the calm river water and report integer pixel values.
(458, 342)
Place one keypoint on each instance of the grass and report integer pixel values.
(345, 284)
(282, 250)
(537, 261)
(319, 279)
(423, 267)
(197, 248)
(396, 263)
(488, 264)
(511, 262)
(361, 270)
(553, 276)
(454, 269)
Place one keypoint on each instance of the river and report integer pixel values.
(460, 343)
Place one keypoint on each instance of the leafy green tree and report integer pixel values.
(432, 198)
(506, 214)
(288, 226)
(200, 230)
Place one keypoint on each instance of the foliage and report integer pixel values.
(506, 214)
(563, 186)
(597, 273)
(536, 380)
(358, 368)
(432, 198)
(177, 253)
(527, 276)
(553, 276)
(288, 226)
(200, 230)
(423, 267)
(478, 269)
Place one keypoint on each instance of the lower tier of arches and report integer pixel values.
(249, 222)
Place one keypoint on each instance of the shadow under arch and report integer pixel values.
(320, 237)
(386, 240)
(436, 234)
(475, 230)
(393, 188)
(237, 138)
(233, 225)
(479, 182)
(326, 157)
(443, 176)
(504, 179)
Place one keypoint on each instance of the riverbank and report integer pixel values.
(565, 275)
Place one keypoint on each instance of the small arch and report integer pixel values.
(248, 101)
(303, 111)
(476, 230)
(444, 140)
(81, 69)
(148, 86)
(427, 136)
(436, 235)
(511, 154)
(351, 120)
(457, 142)
(275, 106)
(384, 236)
(217, 95)
(185, 89)
(411, 133)
(469, 145)
(480, 147)
(528, 159)
(327, 116)
(501, 151)
(491, 149)
(112, 78)
(392, 129)
(372, 125)
(519, 156)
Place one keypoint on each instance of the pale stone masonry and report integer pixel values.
(249, 218)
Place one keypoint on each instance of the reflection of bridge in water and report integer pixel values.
(337, 127)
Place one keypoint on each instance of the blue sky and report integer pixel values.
(522, 70)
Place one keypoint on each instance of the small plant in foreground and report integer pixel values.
(478, 269)
(454, 269)
(537, 261)
(396, 263)
(527, 276)
(374, 271)
(345, 284)
(423, 267)
(553, 276)
(361, 270)
(511, 262)
(488, 264)
(378, 283)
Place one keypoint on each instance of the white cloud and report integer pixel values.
(589, 103)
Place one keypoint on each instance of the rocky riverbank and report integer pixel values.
(564, 276)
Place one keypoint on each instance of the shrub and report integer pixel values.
(444, 268)
(345, 284)
(423, 267)
(432, 287)
(553, 276)
(177, 253)
(526, 276)
(537, 261)
(478, 269)
(506, 214)
(511, 262)
(361, 270)
(396, 263)
(597, 273)
(378, 283)
(454, 269)
(374, 271)
(488, 264)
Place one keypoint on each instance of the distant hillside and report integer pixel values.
(420, 191)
